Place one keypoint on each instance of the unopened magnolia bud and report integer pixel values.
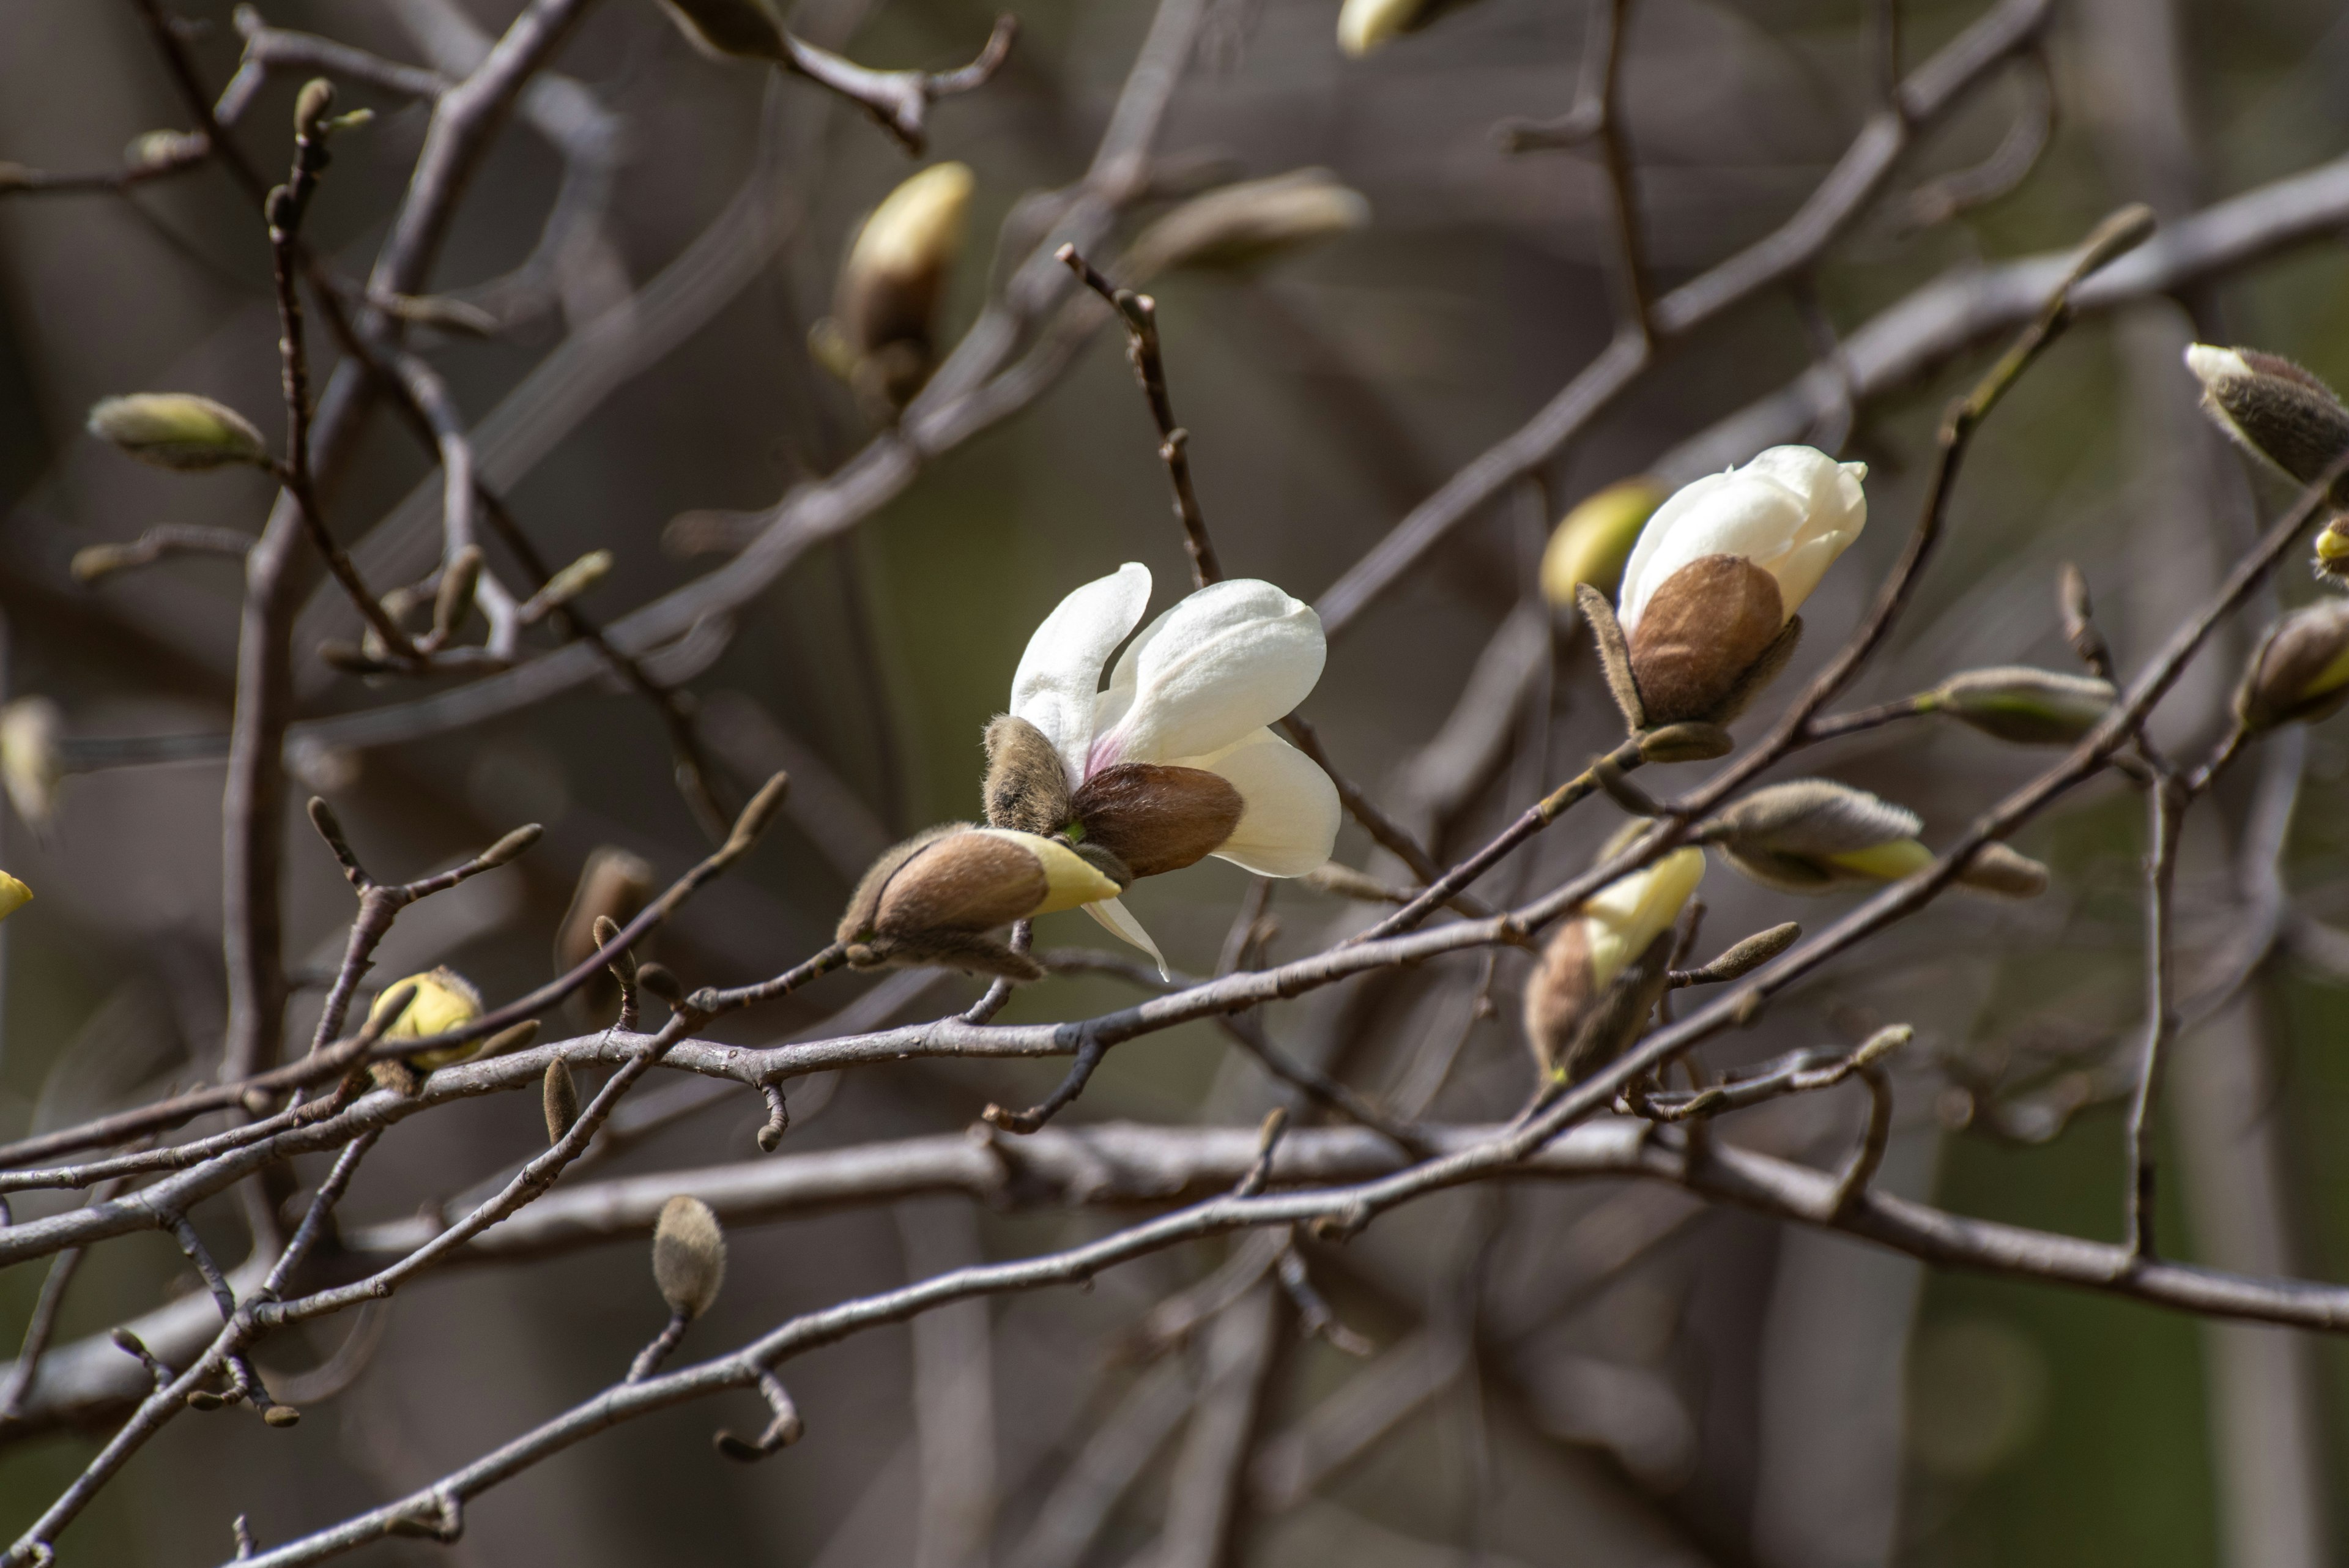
(612, 886)
(14, 895)
(757, 814)
(512, 844)
(560, 1094)
(282, 1416)
(662, 981)
(1604, 969)
(1812, 834)
(2009, 872)
(1714, 632)
(689, 1255)
(1154, 817)
(933, 898)
(880, 333)
(1247, 224)
(160, 149)
(2028, 707)
(513, 1037)
(1594, 540)
(1742, 959)
(2275, 409)
(748, 29)
(178, 429)
(442, 1000)
(311, 104)
(2301, 671)
(2079, 618)
(32, 757)
(567, 585)
(1027, 786)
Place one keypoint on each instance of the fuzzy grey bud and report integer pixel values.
(933, 898)
(2028, 707)
(559, 1092)
(613, 885)
(179, 431)
(2273, 408)
(689, 1255)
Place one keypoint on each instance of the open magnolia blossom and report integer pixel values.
(1720, 570)
(1577, 1017)
(1172, 760)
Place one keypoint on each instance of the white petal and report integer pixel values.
(1060, 673)
(1229, 659)
(1732, 514)
(1289, 817)
(1113, 914)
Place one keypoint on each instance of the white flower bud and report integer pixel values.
(1576, 1018)
(178, 429)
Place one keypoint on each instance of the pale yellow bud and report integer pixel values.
(444, 999)
(880, 335)
(178, 429)
(1593, 541)
(32, 757)
(14, 895)
(1366, 25)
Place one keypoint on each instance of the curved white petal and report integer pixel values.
(1113, 914)
(1290, 811)
(1791, 510)
(1229, 659)
(1061, 672)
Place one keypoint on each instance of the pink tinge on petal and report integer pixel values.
(1105, 752)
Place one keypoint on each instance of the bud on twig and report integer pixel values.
(1594, 540)
(2300, 672)
(2274, 409)
(613, 885)
(442, 1000)
(1742, 959)
(32, 757)
(1247, 225)
(689, 1255)
(2080, 621)
(1367, 25)
(454, 602)
(2028, 707)
(179, 431)
(1813, 835)
(566, 585)
(14, 895)
(933, 898)
(1606, 966)
(879, 336)
(559, 1092)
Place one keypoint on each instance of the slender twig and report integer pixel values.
(2165, 811)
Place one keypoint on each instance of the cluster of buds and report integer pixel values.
(1606, 967)
(2284, 415)
(1705, 617)
(881, 337)
(1812, 836)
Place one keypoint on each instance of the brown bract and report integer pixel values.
(1702, 631)
(1156, 818)
(1026, 784)
(1558, 994)
(933, 898)
(2279, 688)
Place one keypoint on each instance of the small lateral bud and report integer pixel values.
(881, 331)
(1345, 882)
(689, 1255)
(566, 584)
(2028, 707)
(662, 981)
(612, 886)
(756, 816)
(1882, 1044)
(32, 757)
(161, 149)
(560, 1094)
(512, 844)
(1593, 541)
(454, 602)
(1742, 959)
(282, 1416)
(2008, 873)
(311, 105)
(2300, 672)
(2079, 617)
(2275, 409)
(513, 1037)
(750, 29)
(1245, 225)
(178, 430)
(442, 1000)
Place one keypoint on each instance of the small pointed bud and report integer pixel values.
(1344, 882)
(2079, 618)
(933, 898)
(161, 149)
(1614, 655)
(2027, 707)
(1690, 742)
(311, 105)
(662, 981)
(2274, 408)
(512, 844)
(689, 1255)
(513, 1037)
(1245, 225)
(442, 1000)
(560, 1094)
(612, 886)
(32, 757)
(1594, 540)
(1882, 1044)
(886, 303)
(2301, 671)
(1811, 834)
(623, 963)
(1742, 959)
(179, 431)
(1027, 785)
(282, 1416)
(2008, 873)
(454, 602)
(1703, 630)
(750, 29)
(566, 584)
(1154, 817)
(755, 816)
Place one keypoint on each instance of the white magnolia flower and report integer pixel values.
(1196, 690)
(1791, 512)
